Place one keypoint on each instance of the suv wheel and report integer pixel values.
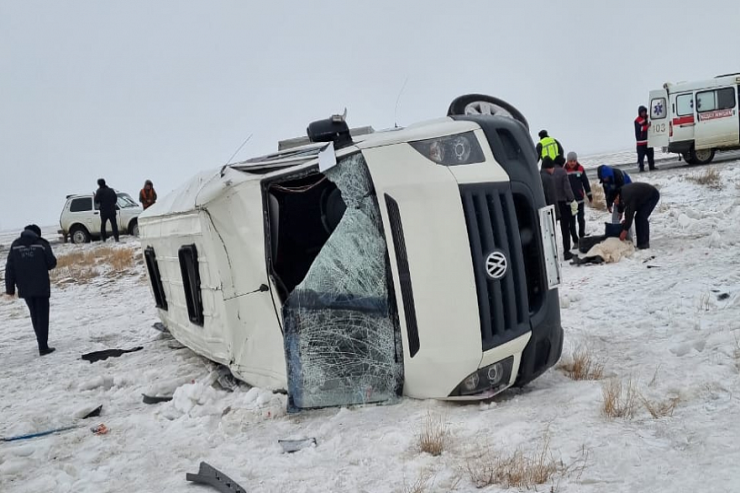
(134, 229)
(79, 235)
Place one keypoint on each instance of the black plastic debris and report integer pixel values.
(225, 380)
(155, 399)
(210, 476)
(160, 327)
(94, 413)
(723, 296)
(290, 446)
(108, 353)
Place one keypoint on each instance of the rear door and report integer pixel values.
(717, 118)
(682, 117)
(659, 128)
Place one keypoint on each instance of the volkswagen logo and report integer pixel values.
(496, 265)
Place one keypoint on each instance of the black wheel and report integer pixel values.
(687, 157)
(79, 235)
(133, 228)
(704, 156)
(480, 104)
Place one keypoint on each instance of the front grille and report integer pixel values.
(492, 224)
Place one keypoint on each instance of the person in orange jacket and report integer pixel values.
(147, 196)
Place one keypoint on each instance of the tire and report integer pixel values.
(687, 157)
(79, 235)
(480, 104)
(133, 228)
(705, 156)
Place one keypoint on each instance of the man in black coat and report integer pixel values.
(637, 201)
(29, 262)
(566, 204)
(548, 185)
(107, 200)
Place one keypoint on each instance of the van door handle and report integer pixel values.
(96, 213)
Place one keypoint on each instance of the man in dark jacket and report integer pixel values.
(612, 179)
(107, 200)
(29, 262)
(641, 136)
(548, 185)
(548, 147)
(566, 203)
(581, 190)
(637, 201)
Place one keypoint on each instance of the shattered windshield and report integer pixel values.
(340, 322)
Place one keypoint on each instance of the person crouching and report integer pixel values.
(637, 201)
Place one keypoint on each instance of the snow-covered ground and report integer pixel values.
(670, 323)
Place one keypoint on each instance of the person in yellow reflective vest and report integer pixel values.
(548, 147)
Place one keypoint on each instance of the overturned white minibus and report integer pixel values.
(352, 269)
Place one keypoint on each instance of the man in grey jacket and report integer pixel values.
(566, 203)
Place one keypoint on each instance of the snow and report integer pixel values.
(667, 318)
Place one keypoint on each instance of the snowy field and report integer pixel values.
(665, 323)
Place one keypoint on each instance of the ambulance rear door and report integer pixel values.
(659, 128)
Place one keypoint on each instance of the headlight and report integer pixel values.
(491, 377)
(471, 383)
(451, 150)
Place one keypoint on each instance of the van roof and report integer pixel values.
(308, 152)
(719, 81)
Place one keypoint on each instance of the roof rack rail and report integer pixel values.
(302, 141)
(727, 75)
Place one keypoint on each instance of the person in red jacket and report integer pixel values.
(581, 190)
(641, 136)
(147, 196)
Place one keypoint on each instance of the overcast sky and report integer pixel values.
(134, 90)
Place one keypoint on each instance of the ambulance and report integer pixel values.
(696, 119)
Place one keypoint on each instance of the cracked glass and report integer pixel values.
(341, 326)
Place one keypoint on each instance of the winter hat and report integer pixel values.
(641, 109)
(101, 182)
(543, 134)
(34, 228)
(547, 163)
(572, 156)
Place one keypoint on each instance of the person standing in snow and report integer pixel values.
(29, 261)
(107, 200)
(548, 147)
(637, 201)
(641, 136)
(567, 205)
(581, 190)
(548, 185)
(147, 196)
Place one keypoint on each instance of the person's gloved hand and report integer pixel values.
(590, 198)
(574, 208)
(623, 235)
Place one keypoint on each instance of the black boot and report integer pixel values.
(44, 352)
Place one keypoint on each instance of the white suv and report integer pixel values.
(80, 218)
